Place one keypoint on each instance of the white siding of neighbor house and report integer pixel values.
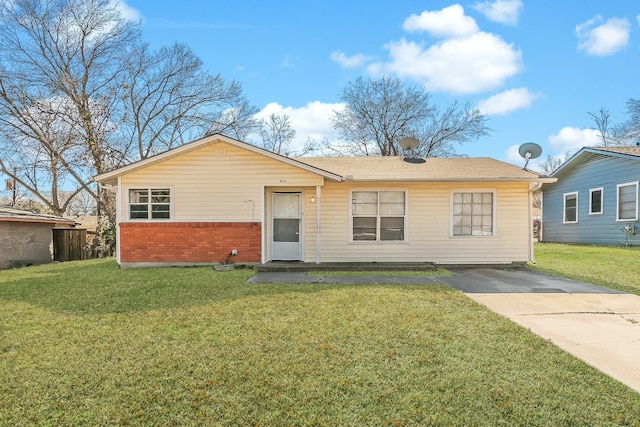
(428, 226)
(216, 183)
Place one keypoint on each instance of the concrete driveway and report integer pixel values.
(598, 325)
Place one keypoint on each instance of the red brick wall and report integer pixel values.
(189, 241)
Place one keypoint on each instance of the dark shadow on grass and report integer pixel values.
(100, 287)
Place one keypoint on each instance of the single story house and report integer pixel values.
(218, 199)
(26, 238)
(595, 199)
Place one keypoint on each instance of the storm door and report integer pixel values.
(286, 212)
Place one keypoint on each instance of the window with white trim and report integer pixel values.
(627, 206)
(378, 216)
(149, 203)
(595, 201)
(473, 213)
(570, 209)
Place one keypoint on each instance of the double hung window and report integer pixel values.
(378, 215)
(595, 201)
(570, 210)
(627, 202)
(149, 203)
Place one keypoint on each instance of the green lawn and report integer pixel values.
(84, 343)
(613, 267)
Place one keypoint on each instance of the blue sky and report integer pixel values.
(536, 67)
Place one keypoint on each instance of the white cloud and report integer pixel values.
(448, 22)
(353, 61)
(571, 139)
(507, 101)
(601, 38)
(311, 121)
(502, 11)
(473, 64)
(128, 12)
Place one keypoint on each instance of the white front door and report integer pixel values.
(286, 244)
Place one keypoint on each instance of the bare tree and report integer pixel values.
(237, 122)
(630, 129)
(81, 204)
(610, 134)
(601, 119)
(58, 72)
(454, 125)
(276, 133)
(551, 163)
(81, 95)
(379, 113)
(170, 99)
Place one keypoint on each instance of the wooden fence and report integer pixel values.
(69, 244)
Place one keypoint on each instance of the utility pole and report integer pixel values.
(12, 185)
(15, 187)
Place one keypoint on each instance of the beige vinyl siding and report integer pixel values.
(428, 231)
(215, 183)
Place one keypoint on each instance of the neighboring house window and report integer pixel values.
(473, 214)
(628, 201)
(378, 215)
(150, 203)
(595, 201)
(570, 208)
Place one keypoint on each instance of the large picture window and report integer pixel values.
(628, 201)
(150, 203)
(378, 215)
(472, 213)
(570, 210)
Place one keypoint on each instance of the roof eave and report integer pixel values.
(544, 180)
(37, 220)
(569, 163)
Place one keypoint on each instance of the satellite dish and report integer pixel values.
(415, 160)
(409, 143)
(529, 151)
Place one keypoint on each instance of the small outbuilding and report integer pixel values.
(26, 238)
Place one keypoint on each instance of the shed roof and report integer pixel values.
(8, 214)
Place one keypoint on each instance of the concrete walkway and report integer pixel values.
(598, 325)
(601, 329)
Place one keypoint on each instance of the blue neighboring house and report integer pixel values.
(595, 199)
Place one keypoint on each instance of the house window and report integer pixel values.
(595, 201)
(150, 203)
(378, 215)
(473, 214)
(628, 201)
(570, 208)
